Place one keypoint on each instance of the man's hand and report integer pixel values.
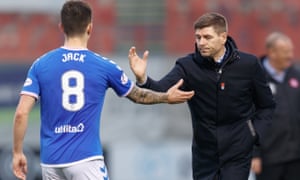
(19, 166)
(177, 96)
(172, 96)
(138, 65)
(256, 165)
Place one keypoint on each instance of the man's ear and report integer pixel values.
(60, 26)
(224, 37)
(89, 29)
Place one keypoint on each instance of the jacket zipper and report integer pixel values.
(219, 85)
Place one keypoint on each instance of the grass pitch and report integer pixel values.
(7, 115)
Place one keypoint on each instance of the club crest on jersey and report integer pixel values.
(124, 78)
(28, 82)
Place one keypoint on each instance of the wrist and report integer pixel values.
(16, 152)
(141, 80)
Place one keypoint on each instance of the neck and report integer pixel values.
(76, 42)
(276, 67)
(218, 57)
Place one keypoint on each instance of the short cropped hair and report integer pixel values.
(274, 37)
(75, 17)
(216, 20)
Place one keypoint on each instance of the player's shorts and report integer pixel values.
(90, 170)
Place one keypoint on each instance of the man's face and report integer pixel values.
(209, 42)
(281, 55)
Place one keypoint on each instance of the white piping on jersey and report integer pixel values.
(30, 94)
(129, 90)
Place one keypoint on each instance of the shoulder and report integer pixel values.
(43, 59)
(48, 54)
(185, 59)
(247, 56)
(101, 58)
(100, 61)
(245, 64)
(248, 59)
(107, 65)
(295, 69)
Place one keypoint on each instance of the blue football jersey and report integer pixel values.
(71, 86)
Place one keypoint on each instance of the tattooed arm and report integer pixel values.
(172, 96)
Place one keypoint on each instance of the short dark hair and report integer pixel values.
(75, 17)
(216, 20)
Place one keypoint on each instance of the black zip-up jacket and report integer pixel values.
(231, 106)
(282, 142)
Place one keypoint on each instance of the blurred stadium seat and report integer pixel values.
(165, 28)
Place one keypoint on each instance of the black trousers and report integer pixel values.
(232, 171)
(230, 159)
(283, 171)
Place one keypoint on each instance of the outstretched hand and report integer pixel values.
(138, 65)
(176, 96)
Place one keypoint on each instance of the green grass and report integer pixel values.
(7, 115)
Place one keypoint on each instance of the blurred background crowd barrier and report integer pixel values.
(28, 28)
(141, 142)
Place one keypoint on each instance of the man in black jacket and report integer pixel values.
(232, 105)
(279, 157)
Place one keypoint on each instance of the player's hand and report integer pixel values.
(177, 96)
(20, 166)
(138, 65)
(256, 165)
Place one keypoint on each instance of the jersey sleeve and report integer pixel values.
(119, 81)
(31, 85)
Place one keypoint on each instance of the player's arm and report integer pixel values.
(172, 96)
(19, 129)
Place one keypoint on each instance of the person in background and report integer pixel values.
(71, 82)
(232, 106)
(279, 157)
